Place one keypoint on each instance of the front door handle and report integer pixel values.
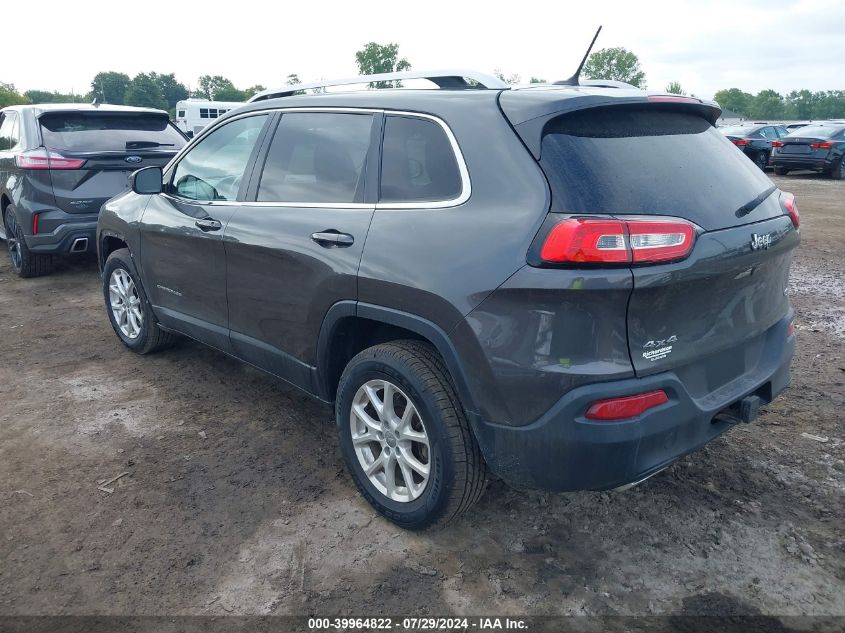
(209, 224)
(333, 238)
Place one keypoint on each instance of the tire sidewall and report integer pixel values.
(122, 259)
(432, 503)
(761, 160)
(18, 235)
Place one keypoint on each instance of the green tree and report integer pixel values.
(109, 87)
(44, 96)
(250, 92)
(512, 79)
(230, 94)
(377, 58)
(618, 64)
(211, 87)
(10, 96)
(674, 88)
(800, 104)
(172, 90)
(829, 105)
(536, 80)
(736, 100)
(292, 80)
(768, 104)
(144, 91)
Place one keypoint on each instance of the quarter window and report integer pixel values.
(418, 163)
(214, 168)
(7, 133)
(317, 157)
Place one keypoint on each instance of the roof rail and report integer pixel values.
(456, 79)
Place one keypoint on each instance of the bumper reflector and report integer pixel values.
(626, 406)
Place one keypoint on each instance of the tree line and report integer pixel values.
(157, 90)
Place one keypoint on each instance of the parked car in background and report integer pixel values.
(795, 125)
(755, 140)
(820, 148)
(59, 163)
(453, 272)
(192, 115)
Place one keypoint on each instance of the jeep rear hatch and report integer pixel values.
(90, 154)
(705, 300)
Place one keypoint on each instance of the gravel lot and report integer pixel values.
(236, 501)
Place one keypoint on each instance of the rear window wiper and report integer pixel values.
(142, 144)
(750, 206)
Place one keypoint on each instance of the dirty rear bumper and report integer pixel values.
(565, 451)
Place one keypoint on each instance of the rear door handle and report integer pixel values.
(332, 238)
(209, 224)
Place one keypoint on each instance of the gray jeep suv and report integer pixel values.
(60, 162)
(570, 286)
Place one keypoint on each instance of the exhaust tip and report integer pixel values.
(79, 245)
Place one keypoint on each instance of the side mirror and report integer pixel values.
(146, 181)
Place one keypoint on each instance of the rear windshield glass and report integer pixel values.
(814, 131)
(102, 131)
(636, 161)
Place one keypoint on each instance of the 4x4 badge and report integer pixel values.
(659, 348)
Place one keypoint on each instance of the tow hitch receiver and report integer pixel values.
(746, 410)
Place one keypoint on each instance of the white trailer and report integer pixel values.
(192, 115)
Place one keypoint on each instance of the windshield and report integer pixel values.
(815, 131)
(107, 131)
(647, 161)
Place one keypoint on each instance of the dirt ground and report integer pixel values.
(236, 500)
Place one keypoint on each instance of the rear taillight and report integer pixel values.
(605, 241)
(777, 143)
(823, 145)
(741, 141)
(788, 201)
(790, 329)
(46, 159)
(625, 407)
(35, 224)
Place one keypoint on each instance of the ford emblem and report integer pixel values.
(133, 159)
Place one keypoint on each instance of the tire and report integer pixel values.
(761, 160)
(24, 262)
(838, 171)
(135, 325)
(781, 171)
(457, 474)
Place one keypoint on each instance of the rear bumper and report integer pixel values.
(565, 451)
(806, 162)
(68, 237)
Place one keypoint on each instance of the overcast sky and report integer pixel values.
(750, 44)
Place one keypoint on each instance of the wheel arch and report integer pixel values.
(350, 327)
(109, 242)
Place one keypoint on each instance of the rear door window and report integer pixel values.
(317, 157)
(629, 160)
(214, 168)
(108, 132)
(417, 163)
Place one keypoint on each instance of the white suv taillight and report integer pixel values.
(46, 159)
(610, 241)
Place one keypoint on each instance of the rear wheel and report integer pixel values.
(129, 311)
(761, 160)
(24, 261)
(838, 171)
(781, 171)
(405, 437)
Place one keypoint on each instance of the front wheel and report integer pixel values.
(129, 311)
(781, 171)
(404, 435)
(761, 160)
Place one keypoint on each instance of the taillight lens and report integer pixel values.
(790, 329)
(788, 201)
(586, 240)
(777, 143)
(46, 159)
(823, 145)
(625, 407)
(741, 141)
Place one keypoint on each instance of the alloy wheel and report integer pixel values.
(125, 303)
(390, 440)
(13, 242)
